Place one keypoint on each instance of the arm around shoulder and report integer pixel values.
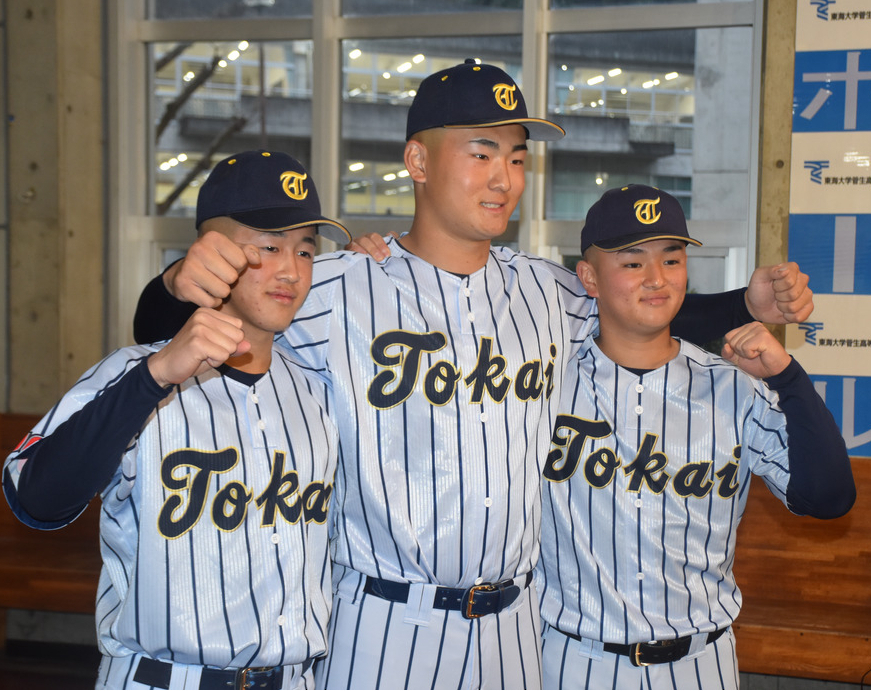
(159, 315)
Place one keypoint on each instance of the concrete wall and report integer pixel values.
(55, 179)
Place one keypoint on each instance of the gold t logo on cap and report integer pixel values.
(505, 96)
(293, 184)
(646, 211)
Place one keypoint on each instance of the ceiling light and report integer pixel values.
(243, 45)
(404, 67)
(354, 54)
(672, 75)
(596, 80)
(390, 177)
(233, 55)
(417, 59)
(623, 91)
(354, 167)
(647, 85)
(386, 75)
(615, 72)
(564, 67)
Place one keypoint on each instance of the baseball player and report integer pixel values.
(215, 456)
(650, 464)
(446, 360)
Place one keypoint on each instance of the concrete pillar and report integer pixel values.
(55, 213)
(777, 82)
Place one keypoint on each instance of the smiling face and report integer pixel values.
(639, 289)
(267, 296)
(472, 180)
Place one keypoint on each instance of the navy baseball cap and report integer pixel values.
(265, 190)
(627, 216)
(474, 95)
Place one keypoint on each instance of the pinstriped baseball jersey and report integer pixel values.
(214, 527)
(445, 391)
(646, 482)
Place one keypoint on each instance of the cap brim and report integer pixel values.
(632, 240)
(537, 130)
(275, 220)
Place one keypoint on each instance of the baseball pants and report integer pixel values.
(378, 644)
(571, 664)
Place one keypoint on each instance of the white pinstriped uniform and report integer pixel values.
(247, 585)
(638, 534)
(444, 390)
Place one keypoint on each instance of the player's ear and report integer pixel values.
(415, 160)
(587, 273)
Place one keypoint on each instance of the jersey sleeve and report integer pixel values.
(821, 480)
(74, 452)
(308, 336)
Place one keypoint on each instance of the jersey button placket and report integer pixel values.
(466, 309)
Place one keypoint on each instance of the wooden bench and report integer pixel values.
(53, 571)
(807, 588)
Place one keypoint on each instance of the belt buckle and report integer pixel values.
(242, 680)
(635, 656)
(470, 598)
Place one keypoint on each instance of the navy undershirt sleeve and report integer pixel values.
(159, 316)
(702, 318)
(68, 468)
(821, 479)
(705, 318)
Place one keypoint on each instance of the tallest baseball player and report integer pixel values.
(652, 456)
(445, 361)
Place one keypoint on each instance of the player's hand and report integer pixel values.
(212, 265)
(755, 350)
(372, 244)
(206, 340)
(779, 294)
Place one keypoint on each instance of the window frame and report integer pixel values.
(138, 239)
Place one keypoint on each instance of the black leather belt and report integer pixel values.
(474, 602)
(653, 652)
(157, 673)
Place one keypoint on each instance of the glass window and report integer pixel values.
(634, 111)
(212, 99)
(380, 79)
(564, 4)
(370, 7)
(228, 9)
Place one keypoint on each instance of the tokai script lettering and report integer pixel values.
(188, 474)
(648, 468)
(401, 353)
